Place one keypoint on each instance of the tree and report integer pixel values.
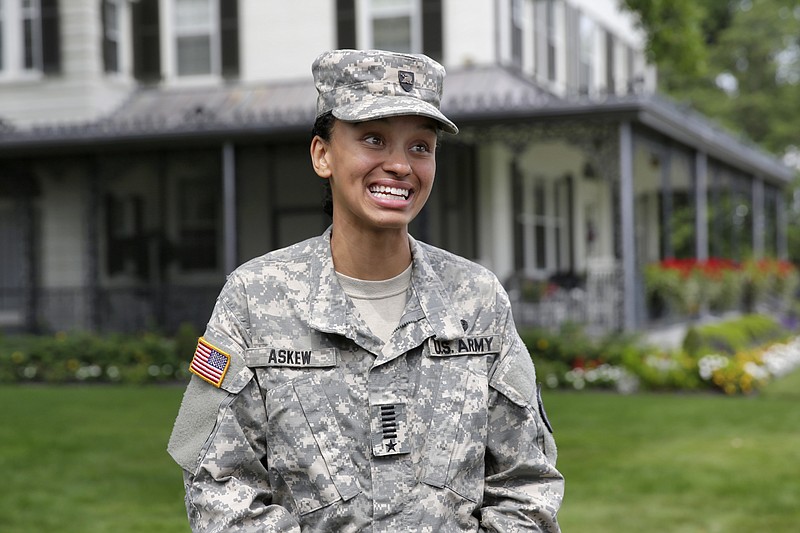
(675, 34)
(737, 61)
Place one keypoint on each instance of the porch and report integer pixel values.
(121, 310)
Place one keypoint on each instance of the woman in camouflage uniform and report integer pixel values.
(362, 380)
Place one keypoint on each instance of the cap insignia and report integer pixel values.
(406, 79)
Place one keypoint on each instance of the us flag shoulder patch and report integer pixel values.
(209, 363)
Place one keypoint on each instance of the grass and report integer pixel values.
(89, 460)
(678, 463)
(92, 459)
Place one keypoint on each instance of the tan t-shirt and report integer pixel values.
(380, 303)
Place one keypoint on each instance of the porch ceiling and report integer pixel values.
(477, 96)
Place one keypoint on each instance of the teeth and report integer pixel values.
(387, 192)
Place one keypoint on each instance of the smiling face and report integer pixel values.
(380, 171)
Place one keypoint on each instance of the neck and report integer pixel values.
(371, 256)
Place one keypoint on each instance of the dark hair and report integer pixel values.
(323, 128)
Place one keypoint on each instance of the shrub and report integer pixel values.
(86, 358)
(570, 358)
(733, 336)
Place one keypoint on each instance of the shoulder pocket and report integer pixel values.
(515, 378)
(195, 422)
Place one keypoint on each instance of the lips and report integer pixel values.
(389, 193)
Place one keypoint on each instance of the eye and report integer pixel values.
(421, 147)
(373, 139)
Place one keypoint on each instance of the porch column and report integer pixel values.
(701, 205)
(229, 207)
(667, 203)
(31, 260)
(781, 224)
(628, 238)
(758, 216)
(716, 223)
(92, 279)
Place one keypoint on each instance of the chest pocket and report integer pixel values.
(455, 450)
(306, 450)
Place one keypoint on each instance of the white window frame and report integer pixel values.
(550, 221)
(169, 44)
(366, 14)
(12, 17)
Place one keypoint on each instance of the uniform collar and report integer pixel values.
(432, 295)
(331, 312)
(329, 309)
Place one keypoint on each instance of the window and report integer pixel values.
(29, 37)
(111, 35)
(391, 24)
(20, 36)
(550, 17)
(611, 85)
(126, 245)
(196, 37)
(517, 29)
(586, 30)
(184, 39)
(2, 32)
(401, 25)
(198, 210)
(545, 40)
(193, 220)
(547, 230)
(630, 69)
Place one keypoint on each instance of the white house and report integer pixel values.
(147, 147)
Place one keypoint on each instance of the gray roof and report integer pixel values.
(473, 97)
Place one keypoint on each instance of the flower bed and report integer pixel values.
(689, 286)
(742, 364)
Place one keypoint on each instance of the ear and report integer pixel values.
(319, 157)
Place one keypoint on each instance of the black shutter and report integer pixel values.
(146, 47)
(432, 44)
(345, 24)
(229, 37)
(51, 37)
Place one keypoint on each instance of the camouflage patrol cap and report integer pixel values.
(358, 85)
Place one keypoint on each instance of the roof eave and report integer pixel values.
(684, 128)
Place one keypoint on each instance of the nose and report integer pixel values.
(397, 163)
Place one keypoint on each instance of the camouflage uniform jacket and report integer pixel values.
(319, 426)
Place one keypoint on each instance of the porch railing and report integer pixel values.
(594, 302)
(124, 310)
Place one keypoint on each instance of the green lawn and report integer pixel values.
(88, 460)
(92, 459)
